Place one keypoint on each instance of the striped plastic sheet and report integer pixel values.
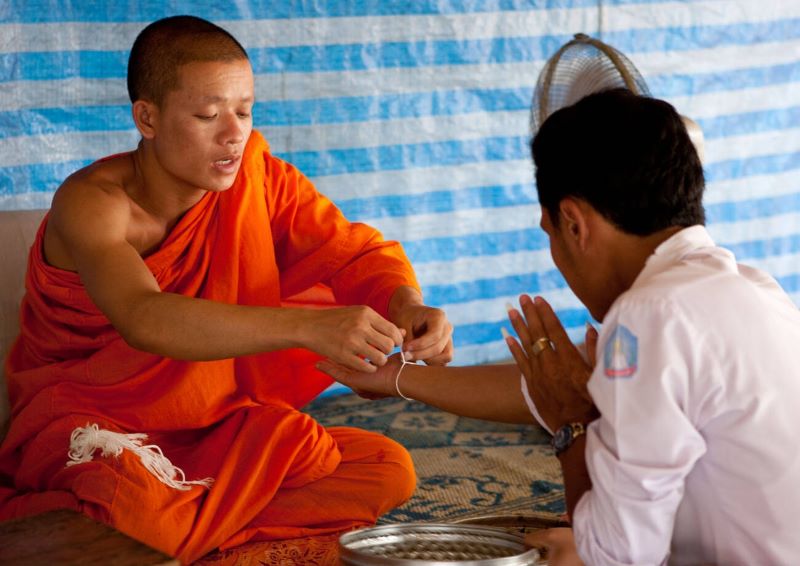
(413, 117)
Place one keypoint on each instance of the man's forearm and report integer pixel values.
(488, 392)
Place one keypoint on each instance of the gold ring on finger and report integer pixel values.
(541, 345)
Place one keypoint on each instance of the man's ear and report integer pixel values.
(574, 222)
(145, 114)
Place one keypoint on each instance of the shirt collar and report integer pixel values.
(674, 248)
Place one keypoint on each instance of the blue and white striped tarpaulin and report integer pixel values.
(413, 117)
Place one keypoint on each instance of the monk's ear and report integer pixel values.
(574, 222)
(145, 114)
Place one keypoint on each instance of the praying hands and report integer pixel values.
(554, 369)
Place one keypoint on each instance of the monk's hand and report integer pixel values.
(559, 544)
(553, 367)
(370, 385)
(429, 335)
(356, 337)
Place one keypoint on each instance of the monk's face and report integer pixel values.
(204, 124)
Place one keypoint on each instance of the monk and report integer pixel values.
(156, 382)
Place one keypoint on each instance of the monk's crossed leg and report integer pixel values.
(278, 474)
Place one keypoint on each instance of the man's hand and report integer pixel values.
(552, 365)
(429, 335)
(357, 337)
(559, 544)
(370, 385)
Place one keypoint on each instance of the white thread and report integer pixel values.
(531, 405)
(84, 441)
(397, 377)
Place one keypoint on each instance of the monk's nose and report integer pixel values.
(233, 131)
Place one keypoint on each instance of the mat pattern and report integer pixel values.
(466, 468)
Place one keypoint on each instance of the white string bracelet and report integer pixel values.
(397, 377)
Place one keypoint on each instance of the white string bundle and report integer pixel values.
(84, 441)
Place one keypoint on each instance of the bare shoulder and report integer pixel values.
(89, 209)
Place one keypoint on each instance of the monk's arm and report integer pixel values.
(92, 226)
(314, 242)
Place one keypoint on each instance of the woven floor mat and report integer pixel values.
(466, 468)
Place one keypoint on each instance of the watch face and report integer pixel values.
(562, 437)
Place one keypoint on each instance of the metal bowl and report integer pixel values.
(433, 544)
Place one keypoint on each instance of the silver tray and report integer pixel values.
(433, 544)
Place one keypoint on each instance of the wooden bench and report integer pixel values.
(68, 538)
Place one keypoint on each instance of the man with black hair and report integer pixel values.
(682, 448)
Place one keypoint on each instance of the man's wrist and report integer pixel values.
(566, 435)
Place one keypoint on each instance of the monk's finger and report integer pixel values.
(442, 359)
(430, 329)
(374, 355)
(378, 341)
(430, 349)
(357, 363)
(382, 327)
(423, 345)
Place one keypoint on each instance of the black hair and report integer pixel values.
(628, 156)
(165, 45)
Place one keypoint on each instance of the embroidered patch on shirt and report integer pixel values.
(620, 353)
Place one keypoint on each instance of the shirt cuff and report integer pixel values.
(531, 405)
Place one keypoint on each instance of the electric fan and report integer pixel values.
(585, 65)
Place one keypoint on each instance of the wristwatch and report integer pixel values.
(566, 435)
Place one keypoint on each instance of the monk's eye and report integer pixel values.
(244, 114)
(205, 117)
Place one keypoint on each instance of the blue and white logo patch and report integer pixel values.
(620, 353)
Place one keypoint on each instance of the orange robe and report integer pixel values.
(278, 474)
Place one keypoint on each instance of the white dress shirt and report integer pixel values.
(696, 456)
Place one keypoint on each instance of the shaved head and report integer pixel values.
(163, 47)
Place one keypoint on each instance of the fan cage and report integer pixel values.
(581, 67)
